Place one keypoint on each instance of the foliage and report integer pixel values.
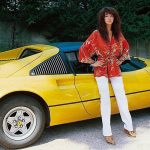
(74, 20)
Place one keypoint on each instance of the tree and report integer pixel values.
(72, 20)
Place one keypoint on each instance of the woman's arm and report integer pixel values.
(125, 52)
(86, 51)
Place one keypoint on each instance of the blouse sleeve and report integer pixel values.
(125, 51)
(87, 49)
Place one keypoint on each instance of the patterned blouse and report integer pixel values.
(109, 55)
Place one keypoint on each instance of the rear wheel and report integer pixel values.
(22, 121)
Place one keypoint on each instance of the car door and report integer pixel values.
(85, 84)
(135, 84)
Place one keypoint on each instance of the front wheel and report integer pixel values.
(22, 121)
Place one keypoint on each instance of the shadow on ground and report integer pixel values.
(87, 135)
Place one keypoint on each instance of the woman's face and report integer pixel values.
(108, 18)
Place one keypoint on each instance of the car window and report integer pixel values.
(127, 66)
(78, 67)
(132, 65)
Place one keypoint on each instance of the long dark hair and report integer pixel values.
(116, 26)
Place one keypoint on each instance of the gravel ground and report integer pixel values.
(87, 135)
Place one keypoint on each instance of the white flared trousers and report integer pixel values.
(118, 87)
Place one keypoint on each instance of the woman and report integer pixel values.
(111, 48)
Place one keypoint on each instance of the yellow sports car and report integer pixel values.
(43, 85)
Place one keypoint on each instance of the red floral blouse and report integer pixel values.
(110, 55)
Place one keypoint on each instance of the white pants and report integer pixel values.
(118, 87)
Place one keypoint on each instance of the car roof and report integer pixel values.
(67, 46)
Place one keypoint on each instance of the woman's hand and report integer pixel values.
(98, 64)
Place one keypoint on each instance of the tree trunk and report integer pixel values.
(13, 35)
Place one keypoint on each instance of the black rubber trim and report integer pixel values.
(66, 62)
(95, 99)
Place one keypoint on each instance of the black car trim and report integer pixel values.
(95, 99)
(67, 63)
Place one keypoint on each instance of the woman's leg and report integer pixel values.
(103, 87)
(118, 87)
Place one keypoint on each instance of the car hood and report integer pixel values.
(8, 68)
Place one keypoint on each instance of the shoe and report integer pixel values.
(110, 140)
(130, 133)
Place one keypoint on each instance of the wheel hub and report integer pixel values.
(19, 123)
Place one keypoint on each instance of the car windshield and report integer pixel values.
(132, 65)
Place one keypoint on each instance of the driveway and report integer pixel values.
(87, 135)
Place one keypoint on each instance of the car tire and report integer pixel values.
(22, 121)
